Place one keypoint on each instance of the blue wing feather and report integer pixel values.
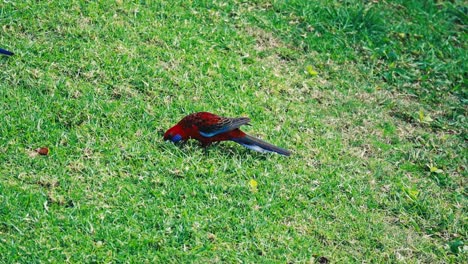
(222, 126)
(214, 133)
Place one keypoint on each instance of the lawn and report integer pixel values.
(370, 96)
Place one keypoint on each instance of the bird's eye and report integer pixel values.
(176, 138)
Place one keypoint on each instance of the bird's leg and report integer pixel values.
(205, 146)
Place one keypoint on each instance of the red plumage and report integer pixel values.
(208, 128)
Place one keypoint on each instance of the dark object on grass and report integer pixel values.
(43, 151)
(6, 52)
(208, 128)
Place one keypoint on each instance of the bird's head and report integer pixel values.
(175, 134)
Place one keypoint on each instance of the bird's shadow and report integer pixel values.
(218, 149)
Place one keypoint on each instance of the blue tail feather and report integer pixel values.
(6, 52)
(260, 145)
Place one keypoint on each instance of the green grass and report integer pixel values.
(378, 133)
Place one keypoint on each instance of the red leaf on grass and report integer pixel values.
(43, 151)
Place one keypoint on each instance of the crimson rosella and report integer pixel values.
(6, 52)
(208, 128)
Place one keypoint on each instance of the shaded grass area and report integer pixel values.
(377, 129)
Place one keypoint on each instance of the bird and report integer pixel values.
(208, 128)
(6, 52)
